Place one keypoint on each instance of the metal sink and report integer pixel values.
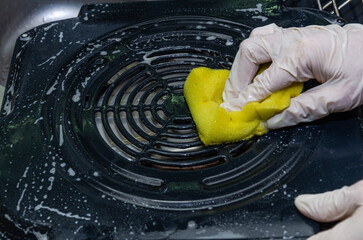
(18, 16)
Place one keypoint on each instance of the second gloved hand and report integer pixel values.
(345, 205)
(331, 54)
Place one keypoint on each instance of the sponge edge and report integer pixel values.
(203, 92)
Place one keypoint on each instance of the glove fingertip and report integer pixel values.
(303, 204)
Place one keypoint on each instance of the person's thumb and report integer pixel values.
(331, 206)
(345, 203)
(262, 86)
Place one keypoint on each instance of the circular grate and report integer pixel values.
(143, 116)
(124, 127)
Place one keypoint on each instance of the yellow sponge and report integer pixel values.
(203, 92)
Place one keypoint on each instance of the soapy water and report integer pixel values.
(175, 142)
(258, 9)
(147, 91)
(152, 59)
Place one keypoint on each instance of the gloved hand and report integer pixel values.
(333, 55)
(345, 204)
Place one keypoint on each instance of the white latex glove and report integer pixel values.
(331, 54)
(345, 204)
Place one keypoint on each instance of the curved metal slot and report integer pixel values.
(241, 171)
(183, 166)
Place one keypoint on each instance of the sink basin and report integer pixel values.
(17, 16)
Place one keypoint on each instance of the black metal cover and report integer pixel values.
(97, 141)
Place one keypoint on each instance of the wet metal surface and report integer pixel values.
(18, 16)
